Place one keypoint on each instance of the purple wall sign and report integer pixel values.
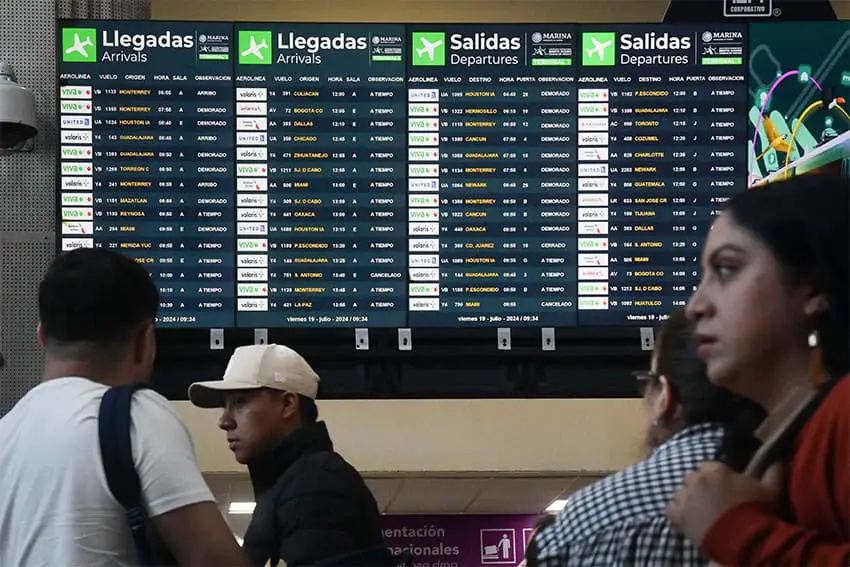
(460, 541)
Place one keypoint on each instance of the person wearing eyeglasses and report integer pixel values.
(621, 519)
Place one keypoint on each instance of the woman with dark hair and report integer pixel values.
(620, 520)
(772, 315)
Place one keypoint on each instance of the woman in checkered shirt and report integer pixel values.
(621, 520)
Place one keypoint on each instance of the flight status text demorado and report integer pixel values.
(360, 175)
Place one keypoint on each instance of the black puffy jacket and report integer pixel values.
(311, 504)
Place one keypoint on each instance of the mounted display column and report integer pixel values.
(146, 122)
(662, 126)
(501, 100)
(332, 211)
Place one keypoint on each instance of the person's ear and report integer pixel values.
(815, 305)
(289, 407)
(144, 344)
(664, 405)
(39, 331)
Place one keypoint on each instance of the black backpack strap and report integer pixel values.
(116, 451)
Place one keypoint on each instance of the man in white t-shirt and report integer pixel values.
(97, 312)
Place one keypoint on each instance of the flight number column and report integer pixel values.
(423, 199)
(252, 226)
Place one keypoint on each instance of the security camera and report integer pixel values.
(17, 112)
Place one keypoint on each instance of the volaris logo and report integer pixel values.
(598, 49)
(79, 45)
(255, 47)
(429, 49)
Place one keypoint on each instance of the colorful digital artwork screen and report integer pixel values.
(799, 76)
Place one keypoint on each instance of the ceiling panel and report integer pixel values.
(238, 523)
(518, 495)
(385, 490)
(484, 494)
(579, 482)
(436, 495)
(229, 488)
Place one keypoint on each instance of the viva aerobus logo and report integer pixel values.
(598, 49)
(79, 45)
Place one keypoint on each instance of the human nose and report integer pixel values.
(697, 306)
(226, 422)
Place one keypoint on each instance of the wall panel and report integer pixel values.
(481, 11)
(26, 184)
(460, 436)
(27, 181)
(412, 10)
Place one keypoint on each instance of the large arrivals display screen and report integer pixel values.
(387, 175)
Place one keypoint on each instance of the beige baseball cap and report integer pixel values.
(258, 366)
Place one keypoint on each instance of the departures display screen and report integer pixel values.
(388, 175)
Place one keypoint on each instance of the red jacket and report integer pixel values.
(819, 493)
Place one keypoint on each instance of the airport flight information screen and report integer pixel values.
(662, 144)
(320, 176)
(492, 176)
(388, 175)
(147, 157)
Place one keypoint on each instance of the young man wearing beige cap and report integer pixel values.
(312, 506)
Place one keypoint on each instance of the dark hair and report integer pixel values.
(532, 548)
(699, 400)
(92, 295)
(804, 221)
(307, 409)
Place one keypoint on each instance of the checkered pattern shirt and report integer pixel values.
(621, 520)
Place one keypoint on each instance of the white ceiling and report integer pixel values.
(461, 494)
